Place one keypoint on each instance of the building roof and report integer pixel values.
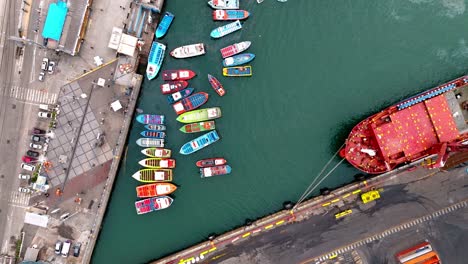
(35, 219)
(31, 254)
(55, 20)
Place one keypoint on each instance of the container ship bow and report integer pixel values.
(431, 123)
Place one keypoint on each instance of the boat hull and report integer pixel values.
(227, 15)
(178, 75)
(164, 25)
(155, 189)
(155, 127)
(153, 175)
(192, 102)
(224, 4)
(210, 162)
(198, 127)
(153, 134)
(199, 143)
(238, 71)
(188, 51)
(150, 119)
(173, 86)
(153, 204)
(175, 97)
(226, 29)
(238, 59)
(150, 142)
(215, 171)
(157, 152)
(200, 115)
(216, 85)
(234, 49)
(157, 163)
(155, 59)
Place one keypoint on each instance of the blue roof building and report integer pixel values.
(55, 20)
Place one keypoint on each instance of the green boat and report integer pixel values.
(198, 127)
(200, 115)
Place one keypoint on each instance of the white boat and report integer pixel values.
(224, 4)
(226, 29)
(188, 51)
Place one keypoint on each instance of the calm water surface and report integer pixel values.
(321, 66)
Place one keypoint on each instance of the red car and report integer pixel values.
(27, 159)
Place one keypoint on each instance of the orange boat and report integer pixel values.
(155, 189)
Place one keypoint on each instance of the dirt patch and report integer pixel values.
(65, 231)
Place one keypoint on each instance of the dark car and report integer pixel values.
(27, 159)
(36, 131)
(76, 249)
(32, 153)
(38, 139)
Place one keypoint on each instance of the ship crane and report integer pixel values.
(443, 151)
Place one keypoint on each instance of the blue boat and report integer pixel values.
(164, 25)
(199, 143)
(156, 127)
(238, 59)
(192, 102)
(150, 119)
(153, 134)
(230, 15)
(226, 29)
(155, 59)
(172, 98)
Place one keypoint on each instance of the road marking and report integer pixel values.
(246, 235)
(19, 198)
(212, 249)
(334, 201)
(279, 222)
(326, 204)
(32, 95)
(346, 195)
(235, 239)
(268, 226)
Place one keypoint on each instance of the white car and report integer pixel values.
(41, 76)
(44, 114)
(35, 146)
(24, 190)
(24, 176)
(45, 64)
(28, 167)
(51, 67)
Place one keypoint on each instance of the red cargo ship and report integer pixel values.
(430, 123)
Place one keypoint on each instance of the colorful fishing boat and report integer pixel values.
(238, 59)
(157, 152)
(173, 86)
(192, 102)
(172, 98)
(156, 163)
(155, 59)
(153, 204)
(215, 171)
(238, 71)
(150, 119)
(198, 127)
(200, 115)
(153, 175)
(224, 4)
(217, 86)
(178, 75)
(226, 29)
(150, 142)
(210, 162)
(164, 25)
(155, 189)
(235, 48)
(199, 143)
(156, 127)
(153, 134)
(225, 15)
(188, 51)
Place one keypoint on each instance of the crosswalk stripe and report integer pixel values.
(19, 198)
(32, 95)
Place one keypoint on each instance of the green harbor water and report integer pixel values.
(320, 67)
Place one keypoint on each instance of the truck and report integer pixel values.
(66, 248)
(422, 253)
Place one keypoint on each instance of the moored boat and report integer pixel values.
(238, 71)
(235, 48)
(155, 189)
(217, 86)
(192, 102)
(215, 171)
(173, 86)
(153, 134)
(157, 152)
(153, 204)
(226, 29)
(198, 127)
(153, 175)
(155, 59)
(156, 163)
(172, 98)
(210, 162)
(188, 51)
(224, 4)
(238, 59)
(150, 142)
(200, 115)
(224, 15)
(178, 75)
(199, 143)
(156, 127)
(150, 119)
(164, 25)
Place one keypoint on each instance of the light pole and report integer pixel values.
(25, 41)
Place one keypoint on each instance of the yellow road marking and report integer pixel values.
(356, 191)
(346, 195)
(333, 256)
(246, 234)
(336, 200)
(268, 226)
(212, 249)
(204, 252)
(326, 204)
(280, 222)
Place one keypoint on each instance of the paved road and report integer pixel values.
(304, 242)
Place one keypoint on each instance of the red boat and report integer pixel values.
(234, 49)
(178, 75)
(173, 86)
(430, 123)
(155, 189)
(210, 162)
(215, 171)
(217, 86)
(192, 102)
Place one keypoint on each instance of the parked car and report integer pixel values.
(27, 159)
(36, 138)
(24, 190)
(51, 67)
(76, 249)
(44, 114)
(35, 146)
(24, 176)
(32, 153)
(66, 248)
(28, 167)
(36, 131)
(45, 64)
(41, 76)
(58, 247)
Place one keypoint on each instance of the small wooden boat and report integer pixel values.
(200, 115)
(192, 102)
(198, 127)
(172, 98)
(215, 171)
(224, 4)
(157, 152)
(210, 162)
(156, 127)
(234, 49)
(217, 86)
(178, 75)
(226, 29)
(188, 51)
(155, 59)
(199, 143)
(173, 86)
(156, 163)
(238, 71)
(164, 25)
(238, 59)
(150, 142)
(150, 119)
(224, 15)
(153, 204)
(153, 134)
(155, 189)
(153, 175)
